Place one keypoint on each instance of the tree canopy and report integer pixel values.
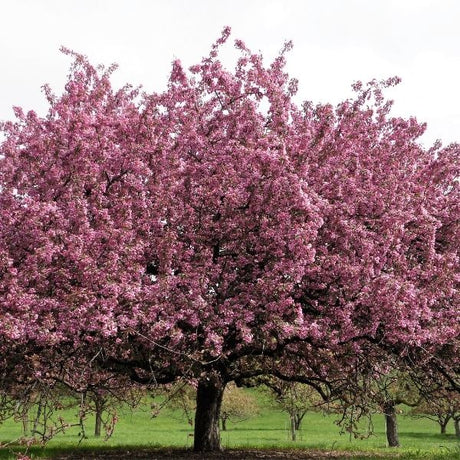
(218, 231)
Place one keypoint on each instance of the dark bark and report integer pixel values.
(443, 427)
(224, 423)
(208, 403)
(25, 423)
(389, 409)
(82, 414)
(298, 419)
(37, 417)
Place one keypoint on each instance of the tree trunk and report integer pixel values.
(99, 406)
(443, 427)
(298, 420)
(389, 409)
(293, 431)
(37, 417)
(224, 423)
(82, 415)
(457, 427)
(208, 402)
(25, 423)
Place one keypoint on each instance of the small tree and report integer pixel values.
(181, 396)
(294, 398)
(440, 406)
(39, 407)
(457, 424)
(389, 391)
(237, 405)
(103, 398)
(377, 389)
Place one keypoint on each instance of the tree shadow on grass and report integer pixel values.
(438, 436)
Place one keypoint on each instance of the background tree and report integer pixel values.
(237, 405)
(392, 390)
(294, 398)
(103, 398)
(440, 406)
(181, 396)
(456, 418)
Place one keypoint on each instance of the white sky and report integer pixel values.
(335, 43)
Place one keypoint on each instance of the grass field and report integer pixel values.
(419, 438)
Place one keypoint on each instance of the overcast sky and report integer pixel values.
(336, 42)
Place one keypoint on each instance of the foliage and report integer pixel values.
(237, 405)
(181, 397)
(441, 406)
(294, 398)
(217, 231)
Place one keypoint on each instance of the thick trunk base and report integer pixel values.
(208, 402)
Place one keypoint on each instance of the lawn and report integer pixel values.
(419, 438)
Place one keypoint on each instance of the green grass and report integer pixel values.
(419, 438)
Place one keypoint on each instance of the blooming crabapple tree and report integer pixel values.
(153, 234)
(217, 231)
